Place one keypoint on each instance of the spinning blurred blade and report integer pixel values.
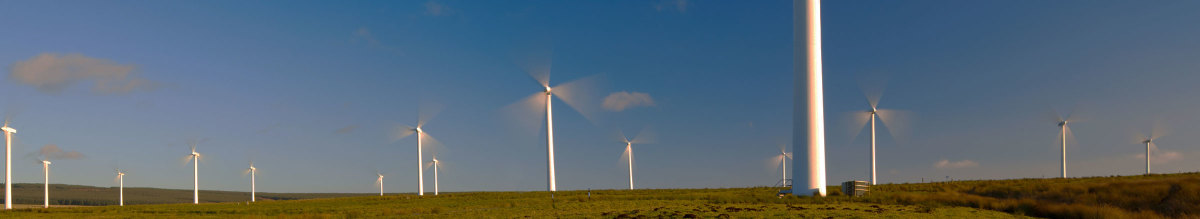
(426, 112)
(527, 114)
(896, 122)
(401, 132)
(580, 95)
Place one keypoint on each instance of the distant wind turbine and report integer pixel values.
(424, 116)
(195, 173)
(379, 182)
(781, 161)
(46, 187)
(642, 138)
(8, 131)
(121, 184)
(1156, 133)
(1064, 133)
(252, 171)
(435, 164)
(890, 118)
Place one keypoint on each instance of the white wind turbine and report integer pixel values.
(891, 120)
(8, 131)
(195, 157)
(435, 164)
(252, 171)
(379, 182)
(46, 186)
(572, 93)
(1155, 133)
(781, 160)
(121, 184)
(1064, 132)
(642, 138)
(425, 115)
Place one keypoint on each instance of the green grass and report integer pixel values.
(1151, 196)
(674, 203)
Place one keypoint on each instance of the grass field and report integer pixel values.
(1153, 196)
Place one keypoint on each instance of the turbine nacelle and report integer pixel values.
(418, 129)
(8, 129)
(548, 91)
(46, 162)
(1062, 123)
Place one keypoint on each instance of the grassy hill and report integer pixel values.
(31, 193)
(1150, 196)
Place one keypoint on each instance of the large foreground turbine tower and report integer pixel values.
(808, 126)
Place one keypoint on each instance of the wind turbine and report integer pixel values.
(121, 183)
(1064, 132)
(1156, 133)
(8, 131)
(781, 161)
(890, 119)
(379, 182)
(46, 187)
(642, 138)
(421, 137)
(435, 163)
(572, 93)
(252, 171)
(195, 173)
(808, 99)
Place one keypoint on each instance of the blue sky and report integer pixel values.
(311, 90)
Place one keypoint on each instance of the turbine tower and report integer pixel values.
(253, 171)
(195, 157)
(379, 182)
(8, 131)
(644, 137)
(782, 159)
(1062, 127)
(424, 115)
(435, 165)
(46, 187)
(1148, 142)
(121, 184)
(572, 93)
(808, 127)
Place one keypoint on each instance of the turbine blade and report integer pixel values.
(646, 136)
(426, 112)
(624, 157)
(1071, 142)
(538, 64)
(872, 85)
(896, 122)
(774, 163)
(401, 132)
(855, 123)
(428, 142)
(1159, 130)
(185, 160)
(527, 115)
(580, 95)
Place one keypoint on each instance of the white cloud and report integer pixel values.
(437, 9)
(619, 101)
(947, 164)
(680, 5)
(365, 34)
(1161, 157)
(52, 73)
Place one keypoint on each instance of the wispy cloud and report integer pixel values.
(680, 5)
(51, 151)
(364, 34)
(947, 164)
(52, 73)
(1161, 157)
(437, 9)
(619, 101)
(347, 129)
